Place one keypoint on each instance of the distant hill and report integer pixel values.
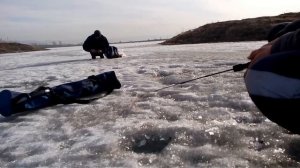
(17, 47)
(253, 29)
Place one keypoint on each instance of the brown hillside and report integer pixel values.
(253, 29)
(17, 47)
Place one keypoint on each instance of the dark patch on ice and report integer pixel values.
(293, 150)
(51, 78)
(147, 141)
(9, 86)
(153, 140)
(175, 66)
(150, 143)
(141, 71)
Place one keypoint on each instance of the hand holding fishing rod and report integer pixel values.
(235, 68)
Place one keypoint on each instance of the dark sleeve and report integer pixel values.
(86, 45)
(274, 32)
(287, 42)
(106, 44)
(290, 27)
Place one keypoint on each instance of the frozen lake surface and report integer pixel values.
(210, 122)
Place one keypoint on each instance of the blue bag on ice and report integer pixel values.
(15, 102)
(112, 52)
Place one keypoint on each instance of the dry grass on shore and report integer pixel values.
(17, 47)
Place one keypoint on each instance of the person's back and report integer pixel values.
(96, 44)
(273, 80)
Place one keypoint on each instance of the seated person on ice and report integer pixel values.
(273, 77)
(96, 44)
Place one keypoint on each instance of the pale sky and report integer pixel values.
(71, 21)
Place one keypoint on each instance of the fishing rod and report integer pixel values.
(235, 68)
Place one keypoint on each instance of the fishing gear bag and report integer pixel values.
(83, 91)
(112, 52)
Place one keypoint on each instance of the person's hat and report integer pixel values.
(97, 33)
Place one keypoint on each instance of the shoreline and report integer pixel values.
(10, 47)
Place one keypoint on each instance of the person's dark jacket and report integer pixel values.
(92, 42)
(288, 37)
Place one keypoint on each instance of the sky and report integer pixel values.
(71, 21)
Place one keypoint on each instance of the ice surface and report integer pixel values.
(210, 122)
